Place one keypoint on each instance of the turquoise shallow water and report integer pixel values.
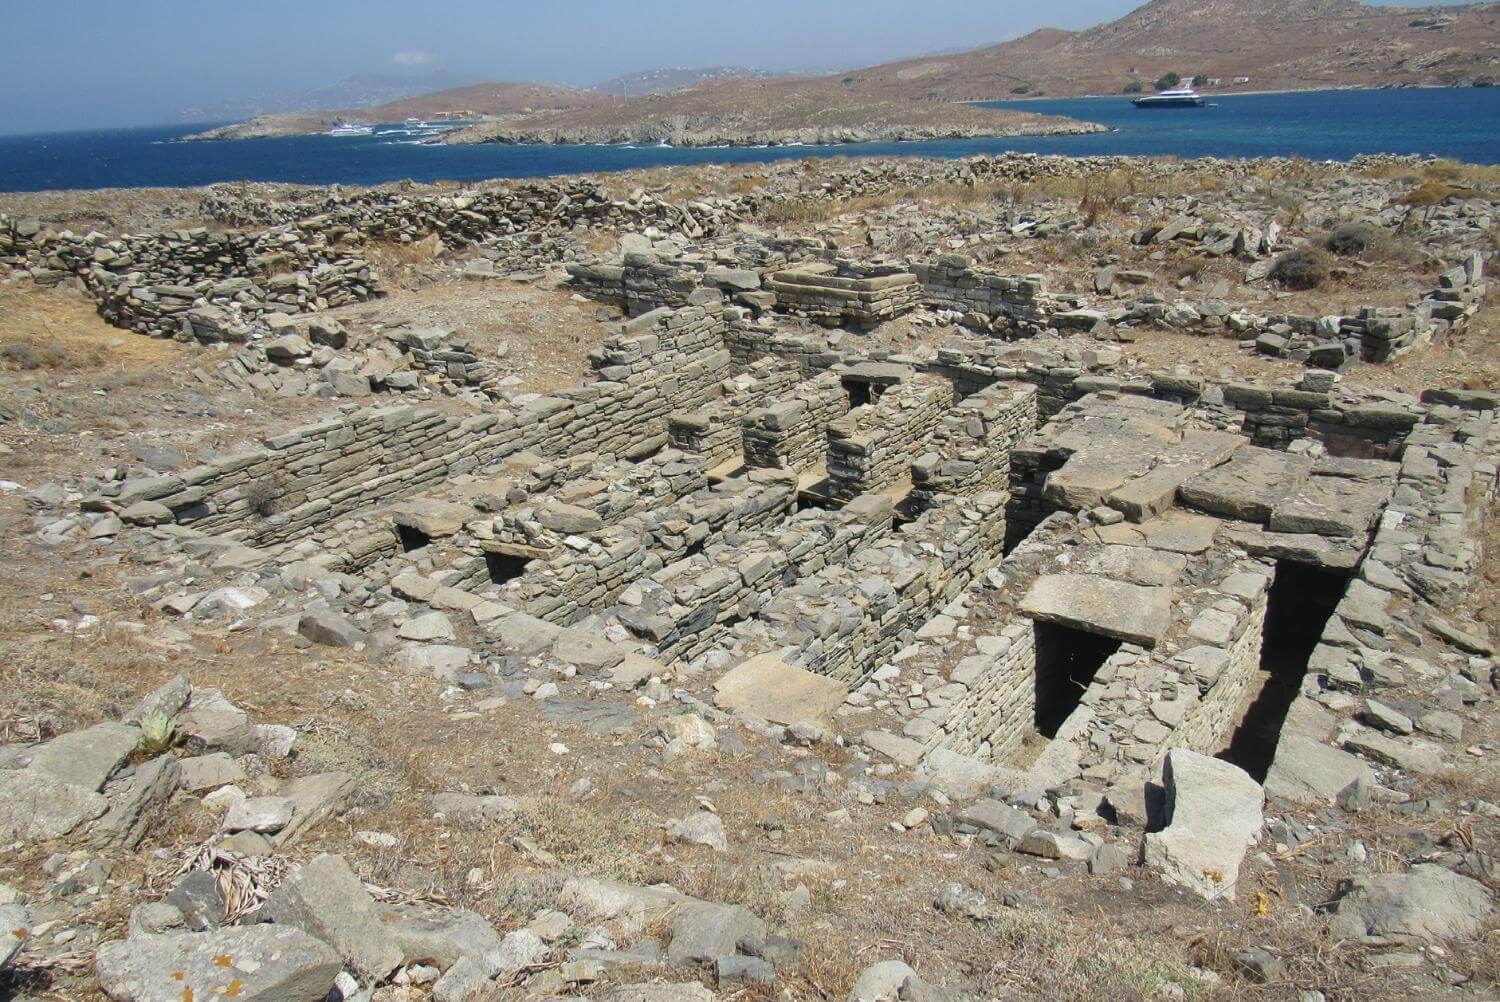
(1328, 125)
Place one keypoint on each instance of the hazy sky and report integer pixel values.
(86, 63)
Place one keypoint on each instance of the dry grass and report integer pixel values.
(57, 328)
(405, 265)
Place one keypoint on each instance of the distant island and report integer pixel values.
(1220, 46)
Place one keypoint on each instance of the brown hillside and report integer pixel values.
(1280, 44)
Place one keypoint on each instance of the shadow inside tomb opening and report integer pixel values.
(1301, 600)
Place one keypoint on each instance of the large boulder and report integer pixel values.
(325, 899)
(1214, 817)
(257, 963)
(1428, 902)
(1307, 771)
(36, 805)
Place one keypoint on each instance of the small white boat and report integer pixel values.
(1181, 97)
(350, 129)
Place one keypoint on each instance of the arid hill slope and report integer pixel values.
(1278, 44)
(485, 100)
(762, 111)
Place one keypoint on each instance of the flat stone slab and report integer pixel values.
(37, 805)
(262, 962)
(1332, 506)
(434, 519)
(1135, 613)
(1428, 903)
(87, 758)
(1174, 532)
(1247, 487)
(1135, 564)
(1154, 493)
(773, 690)
(1307, 771)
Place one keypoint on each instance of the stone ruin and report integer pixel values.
(1116, 553)
(1026, 575)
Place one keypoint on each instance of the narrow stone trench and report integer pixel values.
(1301, 600)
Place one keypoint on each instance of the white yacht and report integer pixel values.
(1181, 97)
(350, 129)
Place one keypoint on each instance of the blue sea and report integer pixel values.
(1323, 125)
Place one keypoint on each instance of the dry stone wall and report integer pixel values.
(971, 447)
(849, 618)
(685, 608)
(791, 434)
(368, 457)
(1018, 303)
(713, 430)
(870, 448)
(591, 571)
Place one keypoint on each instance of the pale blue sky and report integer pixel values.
(83, 63)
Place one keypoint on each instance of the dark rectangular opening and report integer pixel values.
(1301, 600)
(1066, 662)
(411, 537)
(819, 501)
(503, 567)
(859, 394)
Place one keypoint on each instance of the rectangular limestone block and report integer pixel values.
(773, 690)
(1135, 613)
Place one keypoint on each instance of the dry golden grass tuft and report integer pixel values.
(55, 327)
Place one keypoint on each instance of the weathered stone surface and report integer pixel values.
(1428, 902)
(1112, 608)
(587, 650)
(704, 930)
(470, 809)
(15, 927)
(881, 982)
(440, 935)
(1410, 754)
(773, 690)
(1214, 817)
(36, 805)
(1001, 819)
(430, 626)
(257, 963)
(1249, 486)
(259, 814)
(322, 625)
(686, 991)
(87, 758)
(137, 802)
(1307, 771)
(325, 899)
(209, 772)
(314, 798)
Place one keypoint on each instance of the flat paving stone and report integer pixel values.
(1134, 613)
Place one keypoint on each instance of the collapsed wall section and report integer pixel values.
(590, 571)
(870, 448)
(971, 446)
(686, 607)
(848, 619)
(791, 434)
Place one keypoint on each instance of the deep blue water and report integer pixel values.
(1329, 125)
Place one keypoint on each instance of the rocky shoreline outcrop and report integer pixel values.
(658, 133)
